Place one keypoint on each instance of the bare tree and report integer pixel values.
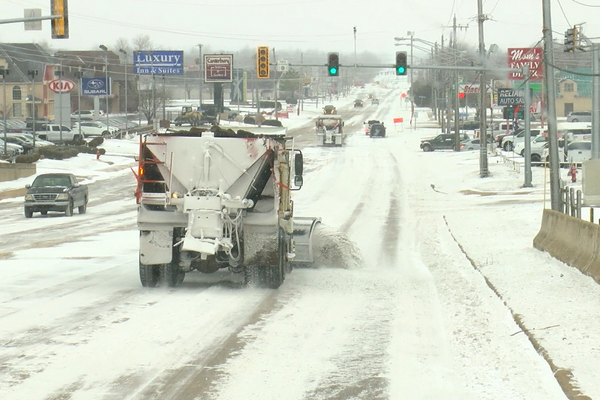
(122, 43)
(142, 42)
(153, 100)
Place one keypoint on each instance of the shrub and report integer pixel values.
(58, 152)
(28, 158)
(95, 142)
(272, 122)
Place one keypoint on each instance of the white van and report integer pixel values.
(578, 152)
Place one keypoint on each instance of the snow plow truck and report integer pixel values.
(330, 130)
(215, 198)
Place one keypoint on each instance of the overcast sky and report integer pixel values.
(231, 25)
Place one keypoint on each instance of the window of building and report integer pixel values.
(16, 93)
(568, 87)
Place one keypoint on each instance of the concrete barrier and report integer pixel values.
(12, 171)
(571, 240)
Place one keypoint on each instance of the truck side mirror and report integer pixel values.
(298, 164)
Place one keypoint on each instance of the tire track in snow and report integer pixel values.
(389, 244)
(564, 376)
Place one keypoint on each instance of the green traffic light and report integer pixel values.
(401, 70)
(332, 71)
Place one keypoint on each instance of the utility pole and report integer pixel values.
(483, 161)
(126, 94)
(456, 99)
(551, 107)
(354, 30)
(200, 68)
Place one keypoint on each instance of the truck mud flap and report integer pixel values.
(304, 228)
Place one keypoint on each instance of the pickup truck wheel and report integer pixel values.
(507, 146)
(83, 208)
(44, 212)
(427, 147)
(69, 210)
(28, 213)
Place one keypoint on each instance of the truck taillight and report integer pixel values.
(141, 171)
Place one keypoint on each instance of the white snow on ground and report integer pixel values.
(431, 305)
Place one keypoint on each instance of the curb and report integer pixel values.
(7, 194)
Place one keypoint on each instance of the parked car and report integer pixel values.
(537, 144)
(470, 144)
(358, 103)
(329, 109)
(509, 141)
(579, 116)
(21, 141)
(377, 130)
(375, 101)
(95, 128)
(578, 152)
(444, 141)
(28, 136)
(86, 114)
(12, 149)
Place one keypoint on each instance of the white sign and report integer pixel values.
(61, 85)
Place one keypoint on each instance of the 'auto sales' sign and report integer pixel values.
(61, 85)
(532, 56)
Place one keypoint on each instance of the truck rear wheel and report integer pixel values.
(169, 274)
(28, 213)
(149, 275)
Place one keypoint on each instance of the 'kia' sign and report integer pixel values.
(532, 56)
(61, 85)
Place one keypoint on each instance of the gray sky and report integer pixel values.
(301, 24)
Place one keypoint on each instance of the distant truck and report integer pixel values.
(55, 192)
(330, 130)
(56, 133)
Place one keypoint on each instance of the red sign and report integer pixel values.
(398, 120)
(218, 68)
(61, 85)
(532, 56)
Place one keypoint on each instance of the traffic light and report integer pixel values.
(60, 26)
(461, 95)
(571, 39)
(262, 62)
(401, 67)
(333, 64)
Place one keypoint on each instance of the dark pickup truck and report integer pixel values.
(55, 192)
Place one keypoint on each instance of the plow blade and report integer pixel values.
(303, 235)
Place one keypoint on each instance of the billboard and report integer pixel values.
(158, 62)
(95, 87)
(218, 68)
(518, 57)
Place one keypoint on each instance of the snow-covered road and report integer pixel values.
(422, 291)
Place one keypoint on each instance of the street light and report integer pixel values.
(200, 68)
(4, 71)
(126, 97)
(79, 75)
(33, 73)
(103, 47)
(60, 74)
